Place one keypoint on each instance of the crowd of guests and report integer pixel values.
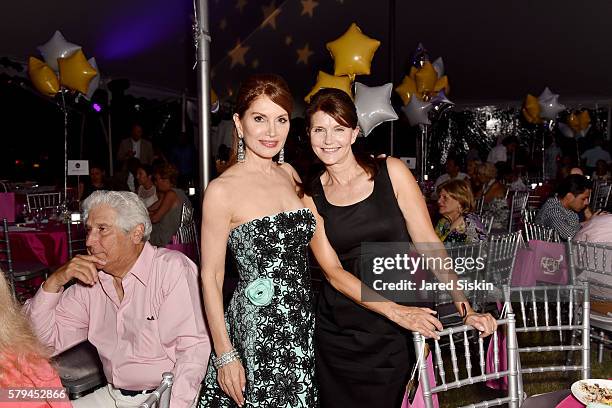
(491, 183)
(153, 178)
(140, 304)
(149, 310)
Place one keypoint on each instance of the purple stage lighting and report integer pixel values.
(97, 107)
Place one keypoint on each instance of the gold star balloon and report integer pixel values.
(573, 122)
(76, 72)
(442, 85)
(426, 78)
(584, 119)
(531, 109)
(330, 81)
(353, 52)
(43, 77)
(406, 89)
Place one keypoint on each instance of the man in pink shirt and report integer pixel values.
(137, 304)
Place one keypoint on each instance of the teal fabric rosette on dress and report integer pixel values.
(260, 291)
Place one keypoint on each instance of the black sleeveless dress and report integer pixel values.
(362, 358)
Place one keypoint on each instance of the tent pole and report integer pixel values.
(202, 40)
(392, 61)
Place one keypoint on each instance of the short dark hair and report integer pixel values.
(147, 168)
(575, 184)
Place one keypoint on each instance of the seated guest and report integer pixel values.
(472, 173)
(146, 189)
(561, 211)
(576, 170)
(459, 224)
(132, 167)
(23, 360)
(510, 177)
(137, 304)
(601, 172)
(598, 230)
(166, 213)
(97, 181)
(494, 194)
(503, 152)
(473, 154)
(452, 173)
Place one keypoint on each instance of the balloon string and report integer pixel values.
(65, 148)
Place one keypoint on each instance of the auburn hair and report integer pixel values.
(271, 85)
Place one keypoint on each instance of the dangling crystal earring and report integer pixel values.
(240, 152)
(281, 156)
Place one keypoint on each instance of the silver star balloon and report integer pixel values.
(417, 112)
(438, 66)
(373, 106)
(549, 104)
(546, 94)
(95, 81)
(550, 108)
(57, 47)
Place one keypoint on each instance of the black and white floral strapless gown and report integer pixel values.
(270, 316)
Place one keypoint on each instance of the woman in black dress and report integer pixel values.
(363, 349)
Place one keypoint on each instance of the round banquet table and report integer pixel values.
(48, 245)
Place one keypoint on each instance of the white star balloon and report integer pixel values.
(373, 106)
(57, 47)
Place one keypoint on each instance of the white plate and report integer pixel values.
(584, 396)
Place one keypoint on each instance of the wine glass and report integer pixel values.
(37, 216)
(25, 212)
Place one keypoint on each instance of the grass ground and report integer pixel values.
(533, 383)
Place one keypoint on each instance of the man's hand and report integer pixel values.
(81, 267)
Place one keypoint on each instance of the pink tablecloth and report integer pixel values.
(570, 402)
(8, 207)
(48, 245)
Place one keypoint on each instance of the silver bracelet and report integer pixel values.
(225, 358)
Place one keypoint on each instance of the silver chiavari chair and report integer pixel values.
(187, 232)
(160, 398)
(539, 232)
(44, 200)
(487, 222)
(600, 196)
(479, 205)
(592, 262)
(471, 272)
(19, 273)
(573, 295)
(76, 238)
(471, 378)
(529, 214)
(517, 207)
